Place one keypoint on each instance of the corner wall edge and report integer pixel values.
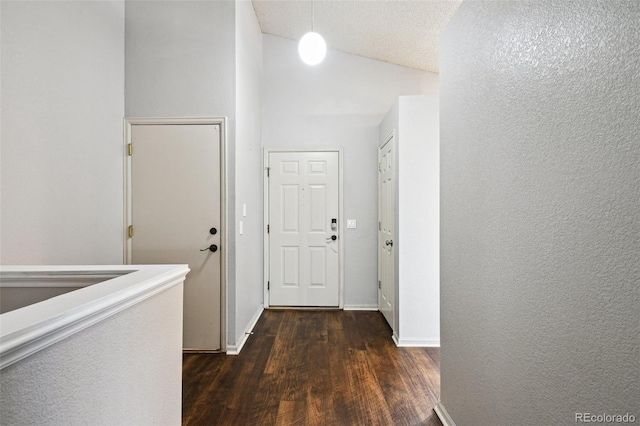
(235, 349)
(443, 415)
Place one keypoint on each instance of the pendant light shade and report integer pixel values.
(312, 48)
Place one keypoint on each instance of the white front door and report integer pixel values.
(386, 215)
(175, 205)
(304, 250)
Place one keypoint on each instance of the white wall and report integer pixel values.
(419, 220)
(249, 250)
(126, 369)
(339, 103)
(61, 132)
(540, 211)
(195, 59)
(415, 120)
(180, 59)
(180, 62)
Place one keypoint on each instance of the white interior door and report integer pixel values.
(304, 250)
(175, 203)
(386, 215)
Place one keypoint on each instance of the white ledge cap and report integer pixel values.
(34, 327)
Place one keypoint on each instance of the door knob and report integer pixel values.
(212, 247)
(333, 238)
(213, 231)
(389, 243)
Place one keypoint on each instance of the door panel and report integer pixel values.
(386, 214)
(175, 201)
(303, 200)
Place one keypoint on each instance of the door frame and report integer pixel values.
(341, 225)
(224, 236)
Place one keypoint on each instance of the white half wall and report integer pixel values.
(62, 105)
(338, 103)
(126, 369)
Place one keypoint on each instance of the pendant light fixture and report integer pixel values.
(312, 48)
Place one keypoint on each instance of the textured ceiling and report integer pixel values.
(401, 32)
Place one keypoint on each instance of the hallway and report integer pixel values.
(325, 367)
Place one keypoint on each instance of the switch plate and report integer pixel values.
(351, 224)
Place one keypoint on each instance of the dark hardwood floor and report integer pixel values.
(314, 368)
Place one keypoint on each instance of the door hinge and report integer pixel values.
(268, 171)
(268, 228)
(379, 284)
(268, 285)
(379, 167)
(379, 226)
(130, 231)
(130, 149)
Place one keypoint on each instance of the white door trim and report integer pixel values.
(224, 235)
(265, 162)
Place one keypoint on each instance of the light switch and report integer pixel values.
(241, 227)
(351, 224)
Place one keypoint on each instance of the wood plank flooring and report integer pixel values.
(314, 368)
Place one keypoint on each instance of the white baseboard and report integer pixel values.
(417, 343)
(360, 307)
(443, 415)
(235, 349)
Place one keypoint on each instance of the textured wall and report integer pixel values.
(125, 370)
(339, 103)
(61, 130)
(540, 169)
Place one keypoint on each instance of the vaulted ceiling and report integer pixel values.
(401, 32)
